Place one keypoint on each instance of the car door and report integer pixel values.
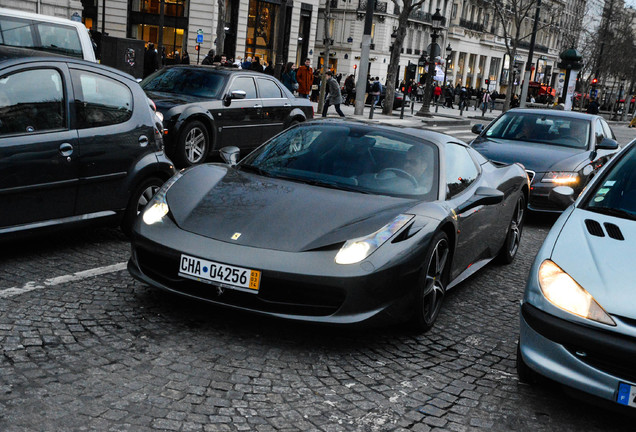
(276, 107)
(114, 132)
(601, 131)
(241, 123)
(474, 226)
(38, 148)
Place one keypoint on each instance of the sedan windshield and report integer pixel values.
(541, 128)
(351, 157)
(616, 194)
(179, 80)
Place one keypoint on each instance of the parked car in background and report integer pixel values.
(556, 148)
(333, 222)
(45, 33)
(208, 107)
(578, 321)
(398, 99)
(78, 143)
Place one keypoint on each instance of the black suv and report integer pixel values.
(79, 142)
(206, 108)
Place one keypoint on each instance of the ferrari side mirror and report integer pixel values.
(230, 155)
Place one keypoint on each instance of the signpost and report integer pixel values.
(199, 42)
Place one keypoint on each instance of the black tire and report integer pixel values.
(141, 195)
(293, 123)
(513, 236)
(431, 284)
(525, 374)
(193, 144)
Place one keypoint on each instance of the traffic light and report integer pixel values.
(487, 81)
(594, 81)
(196, 47)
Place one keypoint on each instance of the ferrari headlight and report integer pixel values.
(354, 251)
(157, 208)
(561, 178)
(563, 291)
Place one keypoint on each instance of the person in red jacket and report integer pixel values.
(305, 78)
(437, 92)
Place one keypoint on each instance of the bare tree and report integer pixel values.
(515, 17)
(220, 28)
(406, 7)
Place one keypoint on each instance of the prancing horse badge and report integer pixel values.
(236, 236)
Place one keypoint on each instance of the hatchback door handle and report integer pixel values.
(287, 105)
(258, 106)
(143, 140)
(66, 149)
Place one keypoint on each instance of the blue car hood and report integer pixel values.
(534, 156)
(603, 266)
(216, 201)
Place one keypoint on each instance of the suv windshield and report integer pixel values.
(616, 194)
(541, 128)
(189, 81)
(351, 157)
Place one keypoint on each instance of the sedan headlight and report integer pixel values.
(563, 291)
(157, 208)
(355, 250)
(561, 178)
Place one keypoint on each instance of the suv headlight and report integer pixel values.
(561, 178)
(565, 293)
(355, 250)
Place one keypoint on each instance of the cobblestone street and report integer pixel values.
(103, 352)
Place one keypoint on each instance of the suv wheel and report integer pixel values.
(193, 145)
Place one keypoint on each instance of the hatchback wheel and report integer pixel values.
(140, 197)
(513, 237)
(432, 283)
(193, 145)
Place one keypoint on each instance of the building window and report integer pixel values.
(454, 11)
(144, 24)
(261, 24)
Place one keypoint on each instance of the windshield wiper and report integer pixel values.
(334, 185)
(612, 212)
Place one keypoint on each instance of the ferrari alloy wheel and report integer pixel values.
(194, 144)
(138, 201)
(513, 237)
(432, 283)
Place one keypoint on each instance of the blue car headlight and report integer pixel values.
(355, 250)
(157, 208)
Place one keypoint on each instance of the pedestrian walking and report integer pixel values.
(349, 87)
(151, 61)
(305, 79)
(485, 101)
(437, 92)
(185, 58)
(592, 108)
(209, 59)
(268, 69)
(315, 87)
(463, 97)
(256, 65)
(376, 91)
(247, 64)
(334, 97)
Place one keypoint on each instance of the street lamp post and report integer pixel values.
(449, 52)
(425, 110)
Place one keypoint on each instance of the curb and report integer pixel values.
(437, 122)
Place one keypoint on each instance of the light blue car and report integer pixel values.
(578, 314)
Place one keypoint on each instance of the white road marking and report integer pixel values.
(37, 285)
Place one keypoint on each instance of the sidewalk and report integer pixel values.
(443, 116)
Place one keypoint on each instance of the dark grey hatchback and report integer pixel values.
(78, 143)
(206, 108)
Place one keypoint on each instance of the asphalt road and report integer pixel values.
(85, 347)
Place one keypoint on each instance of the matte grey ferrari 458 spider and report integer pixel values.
(335, 222)
(578, 320)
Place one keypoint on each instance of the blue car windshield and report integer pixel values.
(351, 157)
(180, 80)
(616, 193)
(542, 129)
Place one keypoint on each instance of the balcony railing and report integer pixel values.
(420, 15)
(379, 6)
(537, 47)
(471, 25)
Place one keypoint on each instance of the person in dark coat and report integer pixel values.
(256, 65)
(269, 70)
(349, 86)
(592, 108)
(185, 58)
(334, 98)
(151, 61)
(209, 59)
(289, 77)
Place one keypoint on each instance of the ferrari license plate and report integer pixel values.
(220, 274)
(626, 395)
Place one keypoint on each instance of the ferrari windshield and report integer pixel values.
(616, 194)
(180, 80)
(351, 157)
(541, 128)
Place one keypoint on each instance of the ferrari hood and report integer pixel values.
(533, 156)
(603, 266)
(229, 205)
